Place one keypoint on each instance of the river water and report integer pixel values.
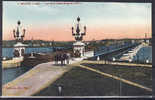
(12, 73)
(145, 53)
(8, 52)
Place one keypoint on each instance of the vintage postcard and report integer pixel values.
(80, 49)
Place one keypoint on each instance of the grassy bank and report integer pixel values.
(82, 82)
(140, 75)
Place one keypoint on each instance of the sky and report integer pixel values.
(53, 20)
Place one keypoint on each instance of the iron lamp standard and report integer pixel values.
(19, 47)
(17, 34)
(78, 46)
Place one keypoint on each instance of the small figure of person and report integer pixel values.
(64, 58)
(105, 60)
(98, 58)
(59, 90)
(55, 60)
(58, 57)
(68, 58)
(61, 59)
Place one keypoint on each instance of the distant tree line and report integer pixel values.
(38, 43)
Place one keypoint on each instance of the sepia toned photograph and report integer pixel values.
(76, 49)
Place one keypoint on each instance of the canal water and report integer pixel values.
(12, 73)
(145, 53)
(8, 52)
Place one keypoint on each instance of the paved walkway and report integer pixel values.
(27, 84)
(118, 63)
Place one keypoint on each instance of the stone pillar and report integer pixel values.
(79, 46)
(19, 50)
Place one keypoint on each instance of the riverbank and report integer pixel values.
(27, 60)
(15, 62)
(139, 54)
(130, 54)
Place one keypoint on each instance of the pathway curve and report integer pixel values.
(36, 79)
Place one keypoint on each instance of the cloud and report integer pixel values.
(41, 8)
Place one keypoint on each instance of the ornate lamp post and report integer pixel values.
(18, 35)
(19, 47)
(78, 46)
(78, 35)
